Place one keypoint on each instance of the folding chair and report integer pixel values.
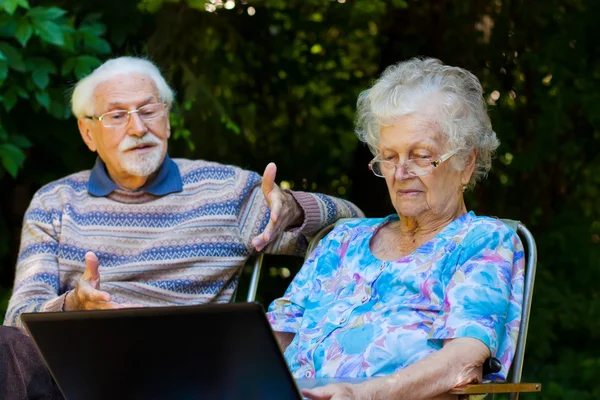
(473, 391)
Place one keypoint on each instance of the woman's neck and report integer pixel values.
(426, 225)
(401, 238)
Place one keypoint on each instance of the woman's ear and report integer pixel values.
(469, 168)
(86, 134)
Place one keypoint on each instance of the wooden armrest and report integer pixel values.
(483, 388)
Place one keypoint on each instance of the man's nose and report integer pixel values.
(135, 126)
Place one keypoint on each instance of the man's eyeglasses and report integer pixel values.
(149, 112)
(413, 167)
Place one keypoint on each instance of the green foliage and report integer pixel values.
(277, 80)
(40, 45)
(255, 72)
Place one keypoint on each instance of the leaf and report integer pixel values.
(69, 39)
(400, 3)
(98, 45)
(7, 24)
(93, 29)
(23, 31)
(44, 99)
(50, 32)
(12, 158)
(40, 78)
(3, 70)
(21, 141)
(85, 65)
(10, 99)
(22, 93)
(13, 56)
(68, 66)
(9, 6)
(45, 13)
(40, 64)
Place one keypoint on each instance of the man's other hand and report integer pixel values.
(87, 294)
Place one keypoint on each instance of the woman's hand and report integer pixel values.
(345, 391)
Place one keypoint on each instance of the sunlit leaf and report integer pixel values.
(40, 14)
(9, 6)
(23, 31)
(49, 32)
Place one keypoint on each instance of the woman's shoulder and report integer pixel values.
(490, 229)
(359, 224)
(482, 223)
(347, 229)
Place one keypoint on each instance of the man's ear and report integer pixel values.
(168, 118)
(469, 167)
(86, 134)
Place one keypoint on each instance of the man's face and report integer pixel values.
(136, 148)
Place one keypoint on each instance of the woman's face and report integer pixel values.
(438, 194)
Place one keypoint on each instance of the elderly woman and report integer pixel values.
(423, 297)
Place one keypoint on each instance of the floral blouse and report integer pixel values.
(355, 315)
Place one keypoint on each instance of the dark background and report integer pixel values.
(277, 80)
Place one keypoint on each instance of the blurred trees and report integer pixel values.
(277, 80)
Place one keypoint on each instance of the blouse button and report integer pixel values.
(365, 298)
(308, 374)
(342, 320)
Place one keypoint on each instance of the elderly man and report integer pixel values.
(158, 231)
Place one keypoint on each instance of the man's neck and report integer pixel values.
(131, 183)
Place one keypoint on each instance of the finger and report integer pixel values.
(265, 236)
(103, 305)
(316, 394)
(91, 267)
(88, 294)
(131, 305)
(276, 203)
(258, 242)
(268, 181)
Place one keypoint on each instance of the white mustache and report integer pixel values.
(131, 142)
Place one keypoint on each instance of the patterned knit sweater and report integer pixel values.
(179, 249)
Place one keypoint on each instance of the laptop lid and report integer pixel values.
(215, 351)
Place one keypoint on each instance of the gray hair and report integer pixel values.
(82, 100)
(417, 85)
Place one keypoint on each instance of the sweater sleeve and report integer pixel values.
(319, 211)
(37, 283)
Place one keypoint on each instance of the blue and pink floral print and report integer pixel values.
(358, 316)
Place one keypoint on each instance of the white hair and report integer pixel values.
(451, 97)
(82, 100)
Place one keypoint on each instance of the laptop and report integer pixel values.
(214, 351)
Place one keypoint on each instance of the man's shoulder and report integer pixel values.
(194, 171)
(74, 183)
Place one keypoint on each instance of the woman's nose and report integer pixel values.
(401, 173)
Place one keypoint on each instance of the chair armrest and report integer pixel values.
(483, 388)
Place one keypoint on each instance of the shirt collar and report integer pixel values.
(167, 180)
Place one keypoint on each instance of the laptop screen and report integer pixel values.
(218, 351)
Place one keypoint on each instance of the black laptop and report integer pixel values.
(220, 351)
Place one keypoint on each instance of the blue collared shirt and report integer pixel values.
(168, 180)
